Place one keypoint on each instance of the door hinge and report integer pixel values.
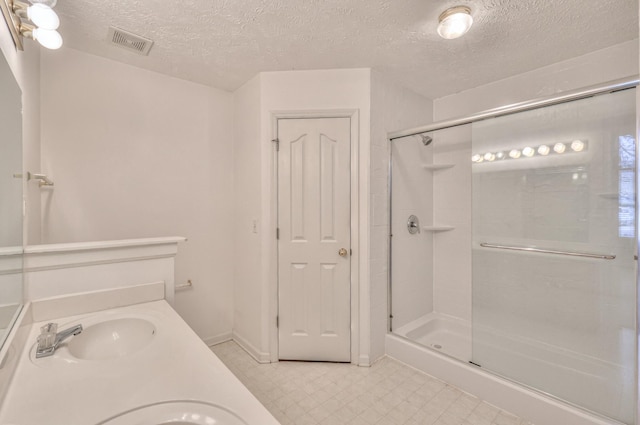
(277, 321)
(277, 142)
(277, 233)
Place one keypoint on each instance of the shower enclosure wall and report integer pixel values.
(513, 244)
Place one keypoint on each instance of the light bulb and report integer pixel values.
(43, 16)
(476, 158)
(559, 148)
(500, 155)
(577, 145)
(455, 22)
(489, 156)
(514, 153)
(51, 39)
(543, 150)
(50, 3)
(528, 151)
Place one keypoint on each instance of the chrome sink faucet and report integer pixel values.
(50, 338)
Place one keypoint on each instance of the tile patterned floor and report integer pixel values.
(388, 393)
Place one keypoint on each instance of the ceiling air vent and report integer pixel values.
(132, 42)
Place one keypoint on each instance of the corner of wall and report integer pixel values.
(393, 107)
(247, 159)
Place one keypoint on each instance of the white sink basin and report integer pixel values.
(177, 413)
(112, 339)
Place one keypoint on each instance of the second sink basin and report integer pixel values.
(177, 413)
(112, 339)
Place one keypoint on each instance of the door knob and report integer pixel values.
(342, 252)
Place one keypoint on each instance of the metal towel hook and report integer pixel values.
(42, 179)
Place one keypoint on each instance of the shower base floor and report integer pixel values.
(605, 386)
(446, 334)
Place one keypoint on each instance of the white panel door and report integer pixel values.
(314, 175)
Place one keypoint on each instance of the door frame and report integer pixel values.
(354, 258)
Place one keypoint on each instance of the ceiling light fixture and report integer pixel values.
(44, 21)
(40, 14)
(454, 22)
(50, 3)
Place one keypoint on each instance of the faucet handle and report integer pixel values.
(47, 337)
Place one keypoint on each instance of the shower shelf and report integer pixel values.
(437, 228)
(434, 167)
(609, 195)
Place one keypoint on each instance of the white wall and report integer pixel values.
(321, 90)
(614, 62)
(256, 277)
(255, 283)
(394, 107)
(137, 154)
(248, 278)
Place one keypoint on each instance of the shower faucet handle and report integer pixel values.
(413, 225)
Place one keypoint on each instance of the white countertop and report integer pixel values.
(176, 365)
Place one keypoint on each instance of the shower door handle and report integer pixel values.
(343, 252)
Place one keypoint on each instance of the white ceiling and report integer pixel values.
(223, 43)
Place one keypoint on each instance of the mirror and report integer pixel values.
(11, 200)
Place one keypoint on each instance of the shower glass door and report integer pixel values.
(554, 237)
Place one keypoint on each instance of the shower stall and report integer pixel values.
(513, 246)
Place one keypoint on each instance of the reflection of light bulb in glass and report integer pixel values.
(489, 156)
(476, 158)
(515, 153)
(543, 150)
(577, 145)
(528, 151)
(575, 176)
(500, 155)
(559, 147)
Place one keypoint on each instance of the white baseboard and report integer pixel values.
(364, 360)
(259, 356)
(218, 339)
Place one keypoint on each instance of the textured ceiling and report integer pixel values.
(223, 43)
